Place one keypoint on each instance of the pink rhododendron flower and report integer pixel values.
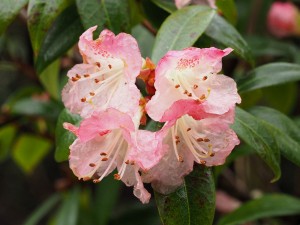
(191, 76)
(284, 19)
(197, 105)
(181, 3)
(109, 139)
(107, 76)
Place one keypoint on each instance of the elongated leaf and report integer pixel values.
(41, 15)
(49, 79)
(107, 194)
(224, 33)
(269, 75)
(68, 212)
(117, 16)
(264, 207)
(260, 137)
(8, 11)
(63, 35)
(167, 5)
(228, 9)
(91, 13)
(181, 29)
(42, 210)
(193, 203)
(29, 151)
(7, 135)
(286, 132)
(64, 138)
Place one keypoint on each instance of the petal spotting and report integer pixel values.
(108, 140)
(284, 19)
(191, 76)
(107, 76)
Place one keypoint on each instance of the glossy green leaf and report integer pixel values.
(261, 137)
(29, 151)
(41, 15)
(224, 33)
(7, 135)
(153, 125)
(8, 11)
(264, 207)
(61, 37)
(43, 210)
(49, 79)
(286, 132)
(106, 196)
(181, 29)
(193, 203)
(68, 212)
(228, 9)
(64, 138)
(117, 16)
(167, 5)
(144, 38)
(91, 13)
(269, 75)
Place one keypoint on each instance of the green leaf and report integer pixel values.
(43, 210)
(29, 151)
(167, 5)
(8, 11)
(49, 79)
(68, 212)
(106, 196)
(63, 35)
(144, 38)
(181, 29)
(286, 132)
(193, 203)
(63, 137)
(153, 125)
(91, 13)
(7, 135)
(228, 9)
(260, 137)
(269, 75)
(41, 15)
(264, 207)
(117, 15)
(224, 33)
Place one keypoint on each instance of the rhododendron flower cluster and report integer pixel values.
(187, 94)
(284, 19)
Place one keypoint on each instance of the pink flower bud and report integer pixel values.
(283, 19)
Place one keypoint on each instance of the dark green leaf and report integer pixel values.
(228, 9)
(41, 15)
(68, 212)
(42, 210)
(8, 11)
(107, 194)
(181, 29)
(269, 75)
(63, 35)
(193, 203)
(285, 131)
(224, 33)
(49, 79)
(153, 126)
(29, 150)
(7, 135)
(91, 13)
(144, 38)
(264, 207)
(64, 138)
(260, 137)
(167, 5)
(117, 16)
